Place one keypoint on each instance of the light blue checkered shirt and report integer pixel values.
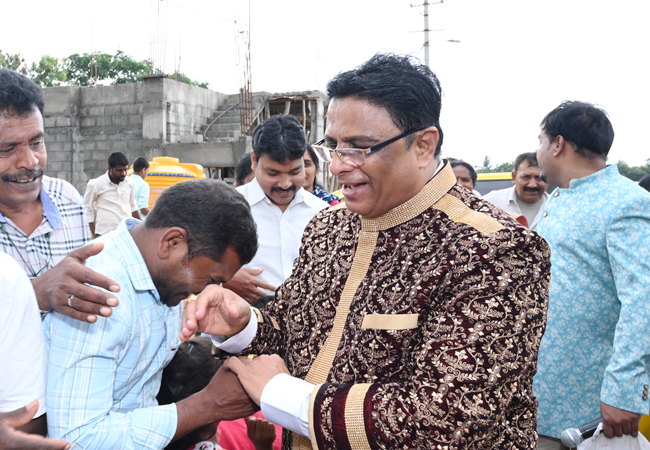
(103, 378)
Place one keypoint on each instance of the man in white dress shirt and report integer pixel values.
(110, 198)
(280, 206)
(528, 194)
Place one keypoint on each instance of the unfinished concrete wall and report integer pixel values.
(84, 125)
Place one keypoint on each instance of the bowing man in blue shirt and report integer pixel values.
(103, 378)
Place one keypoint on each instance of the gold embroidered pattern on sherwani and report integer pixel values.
(474, 283)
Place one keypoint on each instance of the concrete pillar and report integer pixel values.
(154, 111)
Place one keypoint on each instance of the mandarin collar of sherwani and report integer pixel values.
(430, 194)
(594, 177)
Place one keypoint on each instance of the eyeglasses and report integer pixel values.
(353, 156)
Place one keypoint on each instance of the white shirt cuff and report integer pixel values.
(285, 402)
(235, 344)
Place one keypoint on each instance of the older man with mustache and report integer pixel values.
(528, 195)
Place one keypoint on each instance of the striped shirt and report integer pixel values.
(103, 377)
(64, 228)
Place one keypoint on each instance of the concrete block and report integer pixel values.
(49, 122)
(59, 99)
(99, 155)
(99, 136)
(55, 166)
(119, 120)
(64, 175)
(191, 138)
(112, 110)
(104, 121)
(135, 119)
(53, 147)
(62, 121)
(95, 111)
(65, 157)
(67, 147)
(88, 122)
(104, 146)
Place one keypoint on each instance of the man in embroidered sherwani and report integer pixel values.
(412, 318)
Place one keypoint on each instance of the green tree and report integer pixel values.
(179, 76)
(14, 62)
(488, 166)
(504, 167)
(49, 71)
(634, 173)
(119, 68)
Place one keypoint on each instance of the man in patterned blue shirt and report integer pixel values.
(103, 378)
(594, 355)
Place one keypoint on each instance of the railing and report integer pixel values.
(256, 121)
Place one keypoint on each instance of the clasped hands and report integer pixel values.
(221, 312)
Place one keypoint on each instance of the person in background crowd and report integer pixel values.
(140, 172)
(645, 183)
(465, 174)
(312, 167)
(243, 172)
(280, 206)
(102, 379)
(594, 354)
(413, 315)
(42, 219)
(110, 198)
(528, 194)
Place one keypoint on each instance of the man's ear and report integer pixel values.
(426, 142)
(172, 242)
(253, 161)
(560, 145)
(513, 175)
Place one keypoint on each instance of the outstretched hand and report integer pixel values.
(71, 277)
(12, 439)
(246, 284)
(215, 311)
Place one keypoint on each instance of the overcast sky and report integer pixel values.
(517, 59)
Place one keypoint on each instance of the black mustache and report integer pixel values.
(527, 189)
(22, 175)
(276, 189)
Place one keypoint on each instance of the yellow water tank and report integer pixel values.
(165, 171)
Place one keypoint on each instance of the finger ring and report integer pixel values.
(70, 297)
(251, 357)
(191, 298)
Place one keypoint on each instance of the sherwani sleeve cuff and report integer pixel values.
(628, 394)
(235, 344)
(285, 402)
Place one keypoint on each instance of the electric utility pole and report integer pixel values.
(426, 30)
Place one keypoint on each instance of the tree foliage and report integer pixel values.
(14, 62)
(86, 69)
(49, 71)
(179, 76)
(634, 173)
(488, 166)
(89, 68)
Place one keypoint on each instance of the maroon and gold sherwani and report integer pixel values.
(420, 328)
